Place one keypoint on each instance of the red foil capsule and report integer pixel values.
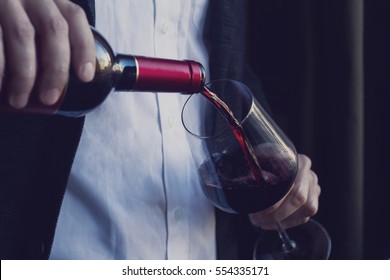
(165, 75)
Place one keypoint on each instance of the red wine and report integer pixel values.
(116, 72)
(237, 190)
(236, 128)
(247, 182)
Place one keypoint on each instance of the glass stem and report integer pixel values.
(288, 244)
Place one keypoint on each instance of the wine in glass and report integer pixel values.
(245, 162)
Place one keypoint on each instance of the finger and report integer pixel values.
(54, 51)
(300, 190)
(81, 40)
(19, 49)
(307, 210)
(304, 213)
(299, 196)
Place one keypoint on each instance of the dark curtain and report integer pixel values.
(325, 67)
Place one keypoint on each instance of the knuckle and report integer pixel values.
(58, 25)
(55, 74)
(298, 198)
(26, 81)
(314, 177)
(75, 11)
(311, 209)
(60, 69)
(314, 183)
(305, 160)
(318, 190)
(23, 74)
(24, 31)
(60, 73)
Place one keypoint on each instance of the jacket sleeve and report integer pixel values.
(36, 155)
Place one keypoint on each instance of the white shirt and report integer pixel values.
(133, 191)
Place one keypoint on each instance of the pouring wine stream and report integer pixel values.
(288, 245)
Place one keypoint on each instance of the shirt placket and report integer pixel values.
(167, 19)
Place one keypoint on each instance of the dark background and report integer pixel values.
(325, 68)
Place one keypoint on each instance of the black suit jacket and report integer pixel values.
(36, 153)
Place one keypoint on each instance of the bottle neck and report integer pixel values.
(138, 73)
(125, 72)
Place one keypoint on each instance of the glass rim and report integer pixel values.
(227, 130)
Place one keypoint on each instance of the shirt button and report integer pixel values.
(166, 27)
(179, 214)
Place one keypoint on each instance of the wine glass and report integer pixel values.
(309, 241)
(245, 162)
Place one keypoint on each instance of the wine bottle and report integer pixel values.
(116, 72)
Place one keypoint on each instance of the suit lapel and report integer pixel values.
(226, 34)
